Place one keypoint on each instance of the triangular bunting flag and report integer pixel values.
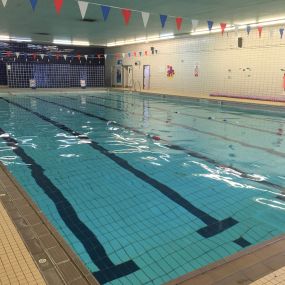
(65, 56)
(42, 55)
(17, 54)
(58, 5)
(8, 53)
(127, 15)
(140, 53)
(223, 27)
(129, 54)
(123, 55)
(163, 19)
(195, 25)
(248, 29)
(179, 21)
(145, 53)
(105, 11)
(145, 17)
(259, 28)
(83, 8)
(34, 4)
(57, 56)
(105, 55)
(34, 56)
(135, 54)
(210, 25)
(78, 56)
(86, 56)
(281, 31)
(4, 2)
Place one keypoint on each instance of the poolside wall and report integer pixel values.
(254, 69)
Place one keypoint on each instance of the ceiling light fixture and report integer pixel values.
(142, 40)
(81, 43)
(20, 40)
(240, 26)
(4, 38)
(61, 42)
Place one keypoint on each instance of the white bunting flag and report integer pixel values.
(83, 8)
(17, 54)
(105, 55)
(4, 2)
(145, 17)
(195, 25)
(42, 55)
(123, 55)
(86, 56)
(65, 56)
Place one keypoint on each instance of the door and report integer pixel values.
(146, 77)
(128, 76)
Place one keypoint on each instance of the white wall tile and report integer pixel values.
(255, 68)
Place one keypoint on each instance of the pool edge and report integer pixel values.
(243, 267)
(62, 265)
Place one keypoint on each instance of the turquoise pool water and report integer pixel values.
(145, 188)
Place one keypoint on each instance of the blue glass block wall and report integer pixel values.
(51, 72)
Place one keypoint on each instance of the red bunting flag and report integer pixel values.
(78, 56)
(34, 56)
(127, 15)
(179, 21)
(58, 5)
(259, 28)
(135, 54)
(223, 27)
(145, 53)
(8, 53)
(57, 56)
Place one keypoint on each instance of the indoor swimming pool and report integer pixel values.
(146, 188)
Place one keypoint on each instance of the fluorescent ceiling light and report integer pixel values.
(240, 26)
(61, 42)
(81, 43)
(28, 40)
(4, 38)
(142, 40)
(167, 36)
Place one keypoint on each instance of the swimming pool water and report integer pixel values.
(136, 209)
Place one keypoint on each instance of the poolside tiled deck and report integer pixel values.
(16, 263)
(275, 278)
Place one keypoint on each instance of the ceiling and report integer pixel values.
(43, 25)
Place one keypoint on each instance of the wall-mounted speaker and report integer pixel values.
(240, 42)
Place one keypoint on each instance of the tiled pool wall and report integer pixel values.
(254, 69)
